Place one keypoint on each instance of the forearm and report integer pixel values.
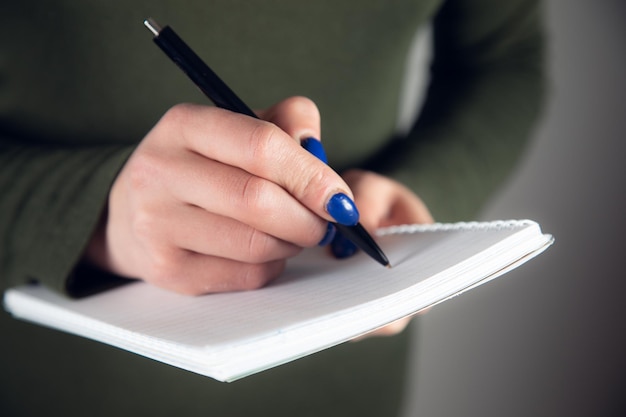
(485, 97)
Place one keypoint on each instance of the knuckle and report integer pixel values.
(163, 268)
(177, 114)
(150, 167)
(255, 196)
(313, 185)
(259, 247)
(262, 142)
(143, 224)
(141, 169)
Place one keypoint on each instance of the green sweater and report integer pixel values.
(81, 84)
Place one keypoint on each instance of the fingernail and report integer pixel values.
(343, 210)
(314, 147)
(331, 230)
(342, 247)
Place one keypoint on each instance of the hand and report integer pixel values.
(215, 201)
(384, 202)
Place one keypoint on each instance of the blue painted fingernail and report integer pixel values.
(342, 247)
(343, 210)
(331, 230)
(314, 147)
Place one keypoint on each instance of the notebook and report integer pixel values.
(318, 302)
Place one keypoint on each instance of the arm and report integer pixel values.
(209, 201)
(37, 210)
(485, 95)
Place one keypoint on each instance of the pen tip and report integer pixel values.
(152, 26)
(388, 266)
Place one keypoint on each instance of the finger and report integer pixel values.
(254, 201)
(390, 204)
(194, 274)
(374, 205)
(391, 329)
(206, 233)
(266, 151)
(296, 116)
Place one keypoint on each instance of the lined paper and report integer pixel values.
(317, 303)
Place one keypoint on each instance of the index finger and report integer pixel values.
(264, 150)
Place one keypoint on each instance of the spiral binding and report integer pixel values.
(454, 227)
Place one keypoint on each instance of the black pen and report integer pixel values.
(222, 96)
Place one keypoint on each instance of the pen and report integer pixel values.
(222, 96)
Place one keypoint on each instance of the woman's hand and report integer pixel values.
(385, 202)
(215, 201)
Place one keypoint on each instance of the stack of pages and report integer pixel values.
(317, 303)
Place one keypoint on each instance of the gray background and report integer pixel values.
(549, 338)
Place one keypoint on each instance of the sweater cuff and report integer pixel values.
(56, 254)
